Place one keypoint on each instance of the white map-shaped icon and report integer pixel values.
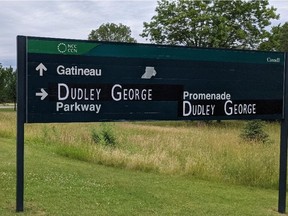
(149, 72)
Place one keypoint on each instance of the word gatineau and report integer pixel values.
(77, 71)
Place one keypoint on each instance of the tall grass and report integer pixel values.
(211, 151)
(7, 123)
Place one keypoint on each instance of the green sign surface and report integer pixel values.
(83, 81)
(124, 50)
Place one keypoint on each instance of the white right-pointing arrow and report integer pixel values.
(41, 68)
(43, 94)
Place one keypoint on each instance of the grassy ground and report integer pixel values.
(213, 152)
(57, 185)
(154, 168)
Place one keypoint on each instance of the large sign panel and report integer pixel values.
(86, 81)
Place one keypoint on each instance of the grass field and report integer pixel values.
(56, 185)
(214, 152)
(167, 168)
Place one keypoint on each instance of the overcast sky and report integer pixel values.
(76, 19)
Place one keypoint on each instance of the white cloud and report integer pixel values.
(66, 19)
(282, 9)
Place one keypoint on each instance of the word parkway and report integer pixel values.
(76, 107)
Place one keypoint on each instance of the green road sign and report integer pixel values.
(83, 81)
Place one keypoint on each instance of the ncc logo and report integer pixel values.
(67, 48)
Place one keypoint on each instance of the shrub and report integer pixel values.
(253, 131)
(104, 136)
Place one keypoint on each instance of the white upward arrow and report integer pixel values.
(41, 67)
(43, 94)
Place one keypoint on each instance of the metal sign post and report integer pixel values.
(283, 147)
(21, 105)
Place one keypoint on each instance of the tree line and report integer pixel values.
(202, 23)
(234, 24)
(7, 85)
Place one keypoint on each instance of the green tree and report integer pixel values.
(278, 40)
(112, 32)
(210, 23)
(11, 87)
(7, 85)
(2, 84)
